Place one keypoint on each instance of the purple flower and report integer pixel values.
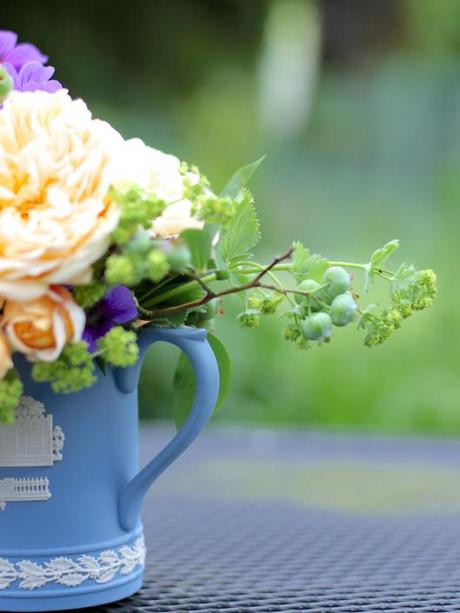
(18, 55)
(25, 64)
(33, 76)
(117, 307)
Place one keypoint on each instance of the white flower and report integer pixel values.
(157, 173)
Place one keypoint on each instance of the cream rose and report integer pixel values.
(6, 363)
(55, 170)
(42, 327)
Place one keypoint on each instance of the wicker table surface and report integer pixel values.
(275, 521)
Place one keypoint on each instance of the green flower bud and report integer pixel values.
(121, 269)
(337, 280)
(343, 309)
(404, 309)
(6, 84)
(317, 327)
(249, 318)
(157, 265)
(292, 332)
(254, 302)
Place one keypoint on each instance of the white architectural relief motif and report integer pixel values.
(73, 572)
(20, 490)
(31, 440)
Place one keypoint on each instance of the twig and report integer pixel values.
(211, 295)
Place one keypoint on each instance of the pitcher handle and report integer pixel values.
(194, 344)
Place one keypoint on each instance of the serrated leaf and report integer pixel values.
(242, 233)
(300, 257)
(240, 179)
(199, 243)
(184, 381)
(380, 256)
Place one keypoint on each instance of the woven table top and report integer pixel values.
(275, 521)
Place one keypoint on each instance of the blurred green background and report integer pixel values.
(357, 106)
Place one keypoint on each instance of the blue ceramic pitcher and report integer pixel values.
(70, 488)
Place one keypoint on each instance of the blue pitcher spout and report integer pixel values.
(194, 344)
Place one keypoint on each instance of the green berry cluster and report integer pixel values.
(10, 392)
(72, 371)
(320, 306)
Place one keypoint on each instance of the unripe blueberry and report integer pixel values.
(337, 280)
(179, 258)
(317, 327)
(343, 309)
(309, 285)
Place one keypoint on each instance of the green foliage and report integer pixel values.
(119, 347)
(380, 256)
(10, 392)
(184, 381)
(306, 265)
(240, 179)
(199, 243)
(72, 371)
(243, 232)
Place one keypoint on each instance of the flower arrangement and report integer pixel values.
(102, 236)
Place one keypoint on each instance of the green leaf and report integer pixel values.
(184, 381)
(300, 257)
(242, 234)
(380, 256)
(306, 266)
(240, 179)
(199, 243)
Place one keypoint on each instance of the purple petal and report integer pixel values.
(33, 76)
(7, 42)
(119, 305)
(23, 53)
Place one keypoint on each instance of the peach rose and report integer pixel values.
(41, 328)
(5, 356)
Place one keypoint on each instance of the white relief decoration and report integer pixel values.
(20, 490)
(31, 440)
(73, 572)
